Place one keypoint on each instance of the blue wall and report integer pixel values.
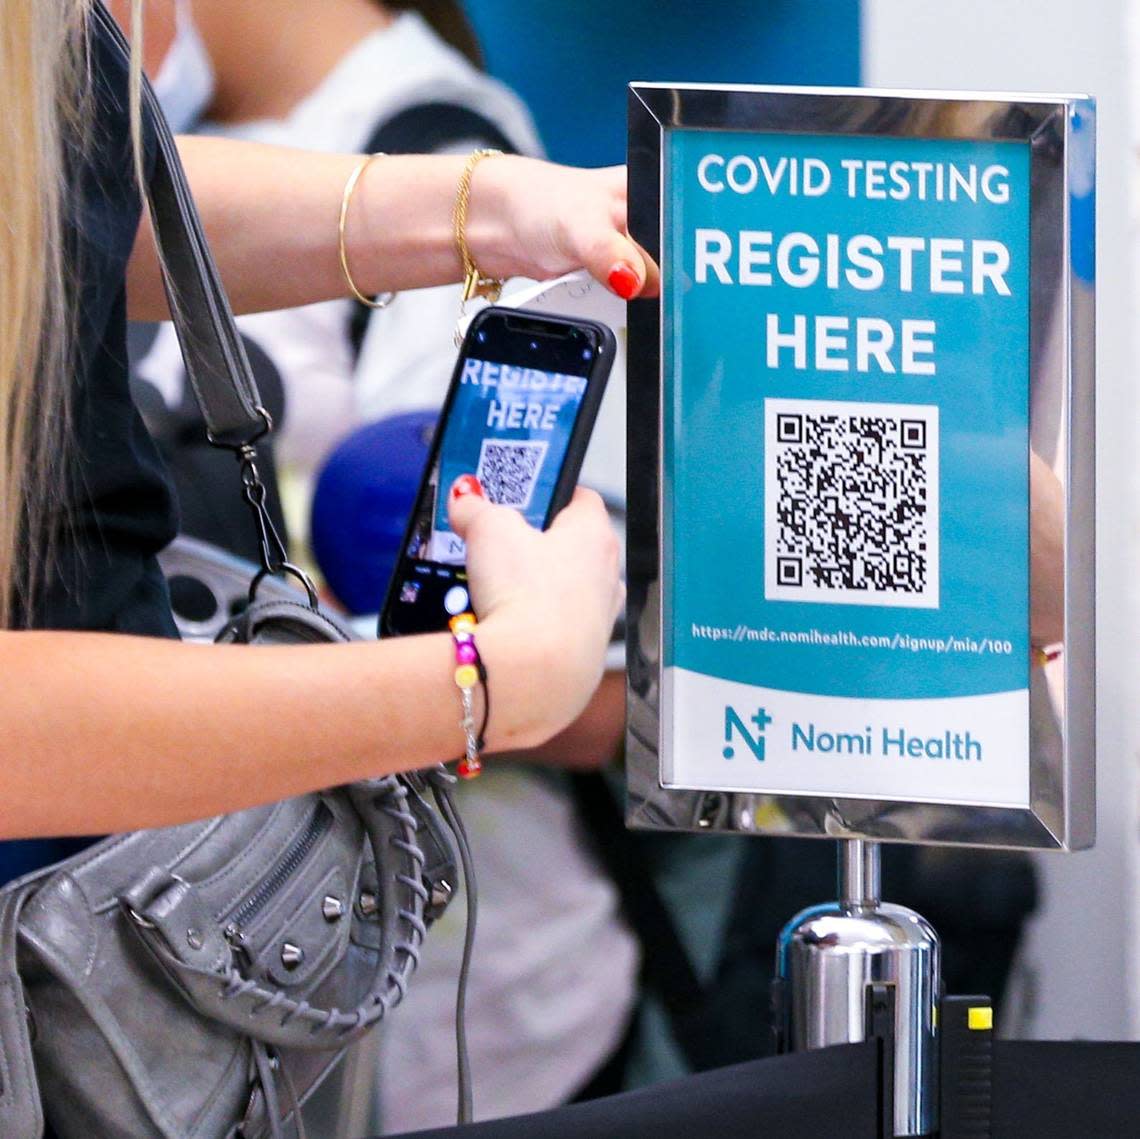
(571, 60)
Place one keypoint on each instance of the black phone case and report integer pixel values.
(596, 378)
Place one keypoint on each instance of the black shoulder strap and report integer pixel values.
(425, 128)
(212, 349)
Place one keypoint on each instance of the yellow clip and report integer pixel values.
(980, 1019)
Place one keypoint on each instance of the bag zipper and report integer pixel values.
(318, 826)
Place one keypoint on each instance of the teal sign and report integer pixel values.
(846, 456)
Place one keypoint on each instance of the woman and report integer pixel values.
(122, 721)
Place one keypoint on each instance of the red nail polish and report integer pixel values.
(624, 281)
(467, 484)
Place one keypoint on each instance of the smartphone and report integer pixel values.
(518, 416)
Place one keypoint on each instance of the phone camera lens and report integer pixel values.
(534, 345)
(586, 353)
(481, 337)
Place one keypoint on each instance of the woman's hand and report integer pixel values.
(536, 219)
(546, 601)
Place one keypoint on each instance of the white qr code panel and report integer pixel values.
(851, 503)
(509, 468)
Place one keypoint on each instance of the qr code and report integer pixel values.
(509, 468)
(851, 503)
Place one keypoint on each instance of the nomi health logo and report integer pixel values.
(733, 723)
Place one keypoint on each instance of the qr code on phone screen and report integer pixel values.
(851, 503)
(508, 470)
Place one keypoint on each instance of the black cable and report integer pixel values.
(465, 1109)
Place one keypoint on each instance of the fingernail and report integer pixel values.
(467, 484)
(624, 281)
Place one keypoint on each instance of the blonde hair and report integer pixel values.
(43, 63)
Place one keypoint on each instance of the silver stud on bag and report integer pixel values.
(194, 938)
(332, 908)
(369, 904)
(441, 893)
(291, 955)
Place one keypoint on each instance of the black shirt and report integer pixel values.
(122, 510)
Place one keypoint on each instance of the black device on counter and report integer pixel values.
(518, 416)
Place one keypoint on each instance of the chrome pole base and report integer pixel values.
(829, 958)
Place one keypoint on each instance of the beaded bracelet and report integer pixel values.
(469, 672)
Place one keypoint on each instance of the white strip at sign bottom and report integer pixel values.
(719, 735)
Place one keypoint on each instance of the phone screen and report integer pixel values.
(516, 401)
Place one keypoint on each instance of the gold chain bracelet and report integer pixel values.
(475, 284)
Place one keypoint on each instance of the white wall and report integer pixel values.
(1081, 962)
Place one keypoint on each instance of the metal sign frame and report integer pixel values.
(1059, 131)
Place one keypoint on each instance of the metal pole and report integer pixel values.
(860, 874)
(830, 954)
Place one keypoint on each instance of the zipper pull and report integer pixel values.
(237, 941)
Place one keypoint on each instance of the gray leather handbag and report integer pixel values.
(197, 982)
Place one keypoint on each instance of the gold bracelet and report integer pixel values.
(384, 299)
(475, 284)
